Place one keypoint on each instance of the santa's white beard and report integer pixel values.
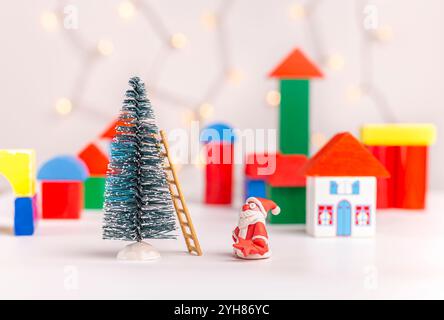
(248, 217)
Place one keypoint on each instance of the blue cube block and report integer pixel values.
(24, 217)
(255, 188)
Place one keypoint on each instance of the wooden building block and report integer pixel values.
(294, 120)
(292, 201)
(386, 187)
(255, 188)
(345, 156)
(18, 166)
(217, 133)
(63, 168)
(286, 187)
(294, 73)
(62, 200)
(95, 192)
(111, 130)
(259, 166)
(288, 171)
(219, 173)
(95, 160)
(296, 66)
(411, 178)
(24, 216)
(341, 189)
(398, 134)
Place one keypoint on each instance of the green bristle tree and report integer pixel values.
(138, 204)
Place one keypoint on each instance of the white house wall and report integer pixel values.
(318, 194)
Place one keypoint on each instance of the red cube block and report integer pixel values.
(62, 200)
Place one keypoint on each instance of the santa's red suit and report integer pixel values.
(250, 236)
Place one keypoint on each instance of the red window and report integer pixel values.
(325, 215)
(362, 216)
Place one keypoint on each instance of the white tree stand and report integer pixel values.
(139, 251)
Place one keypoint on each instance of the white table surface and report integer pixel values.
(68, 260)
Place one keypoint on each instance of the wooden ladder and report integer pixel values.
(183, 215)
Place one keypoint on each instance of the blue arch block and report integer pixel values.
(63, 168)
(24, 217)
(217, 132)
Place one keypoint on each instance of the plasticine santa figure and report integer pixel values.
(250, 236)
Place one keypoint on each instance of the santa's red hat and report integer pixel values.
(265, 205)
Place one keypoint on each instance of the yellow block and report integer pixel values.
(398, 134)
(19, 167)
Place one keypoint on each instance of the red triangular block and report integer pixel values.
(296, 66)
(95, 160)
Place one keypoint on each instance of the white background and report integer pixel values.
(38, 67)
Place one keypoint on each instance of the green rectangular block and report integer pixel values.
(294, 118)
(292, 201)
(94, 192)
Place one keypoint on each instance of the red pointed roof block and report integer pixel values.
(110, 132)
(296, 66)
(345, 156)
(289, 171)
(95, 160)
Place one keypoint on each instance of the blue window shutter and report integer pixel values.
(355, 187)
(333, 187)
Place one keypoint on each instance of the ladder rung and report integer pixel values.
(171, 181)
(191, 248)
(175, 196)
(189, 236)
(168, 168)
(185, 224)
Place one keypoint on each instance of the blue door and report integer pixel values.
(344, 218)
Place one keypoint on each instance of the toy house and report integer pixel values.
(286, 187)
(258, 167)
(403, 149)
(219, 150)
(19, 168)
(341, 189)
(97, 164)
(294, 74)
(62, 187)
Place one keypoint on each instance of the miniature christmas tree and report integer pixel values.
(138, 204)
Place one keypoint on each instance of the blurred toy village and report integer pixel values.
(335, 192)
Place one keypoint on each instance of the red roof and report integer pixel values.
(110, 132)
(296, 66)
(345, 156)
(257, 164)
(289, 171)
(95, 160)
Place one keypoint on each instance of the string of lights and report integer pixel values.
(202, 109)
(89, 55)
(334, 61)
(367, 86)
